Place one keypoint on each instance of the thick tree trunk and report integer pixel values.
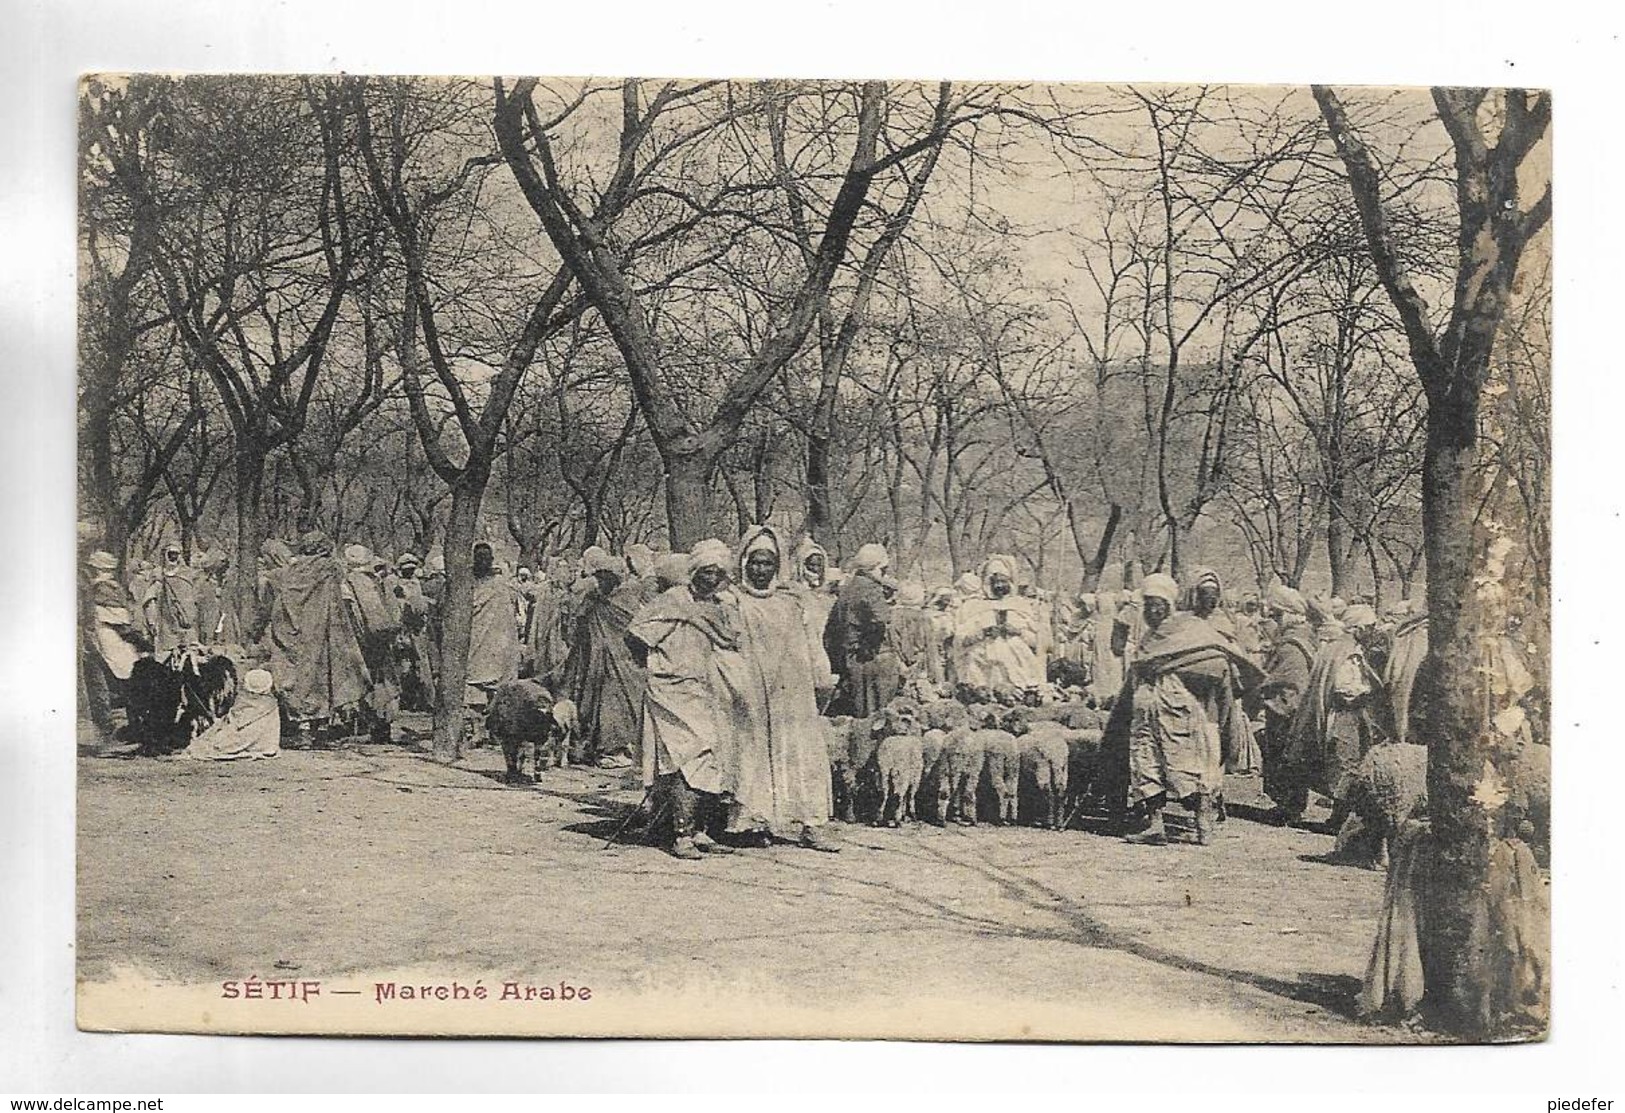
(1470, 771)
(457, 610)
(97, 438)
(688, 498)
(1337, 546)
(251, 529)
(1470, 768)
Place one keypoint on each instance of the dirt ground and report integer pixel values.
(368, 858)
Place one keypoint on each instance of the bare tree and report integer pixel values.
(690, 445)
(257, 268)
(127, 344)
(430, 201)
(1494, 138)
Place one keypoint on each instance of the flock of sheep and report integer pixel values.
(943, 761)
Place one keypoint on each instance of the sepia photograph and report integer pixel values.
(824, 559)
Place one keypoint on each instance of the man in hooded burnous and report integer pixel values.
(1205, 600)
(1185, 674)
(677, 637)
(1406, 652)
(857, 638)
(315, 655)
(1343, 714)
(812, 582)
(112, 642)
(275, 556)
(377, 622)
(169, 606)
(996, 634)
(412, 651)
(599, 673)
(1286, 678)
(216, 619)
(780, 778)
(493, 638)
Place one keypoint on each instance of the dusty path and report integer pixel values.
(361, 861)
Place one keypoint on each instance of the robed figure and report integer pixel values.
(315, 657)
(600, 674)
(1179, 699)
(780, 780)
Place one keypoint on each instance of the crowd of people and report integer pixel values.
(715, 672)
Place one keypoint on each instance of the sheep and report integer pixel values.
(1388, 786)
(1085, 779)
(942, 719)
(1083, 716)
(838, 732)
(963, 756)
(1001, 764)
(532, 727)
(1045, 761)
(898, 761)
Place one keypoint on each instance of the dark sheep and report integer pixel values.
(170, 701)
(531, 725)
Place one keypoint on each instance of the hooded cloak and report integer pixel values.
(996, 639)
(1185, 679)
(315, 654)
(599, 673)
(857, 636)
(683, 729)
(779, 777)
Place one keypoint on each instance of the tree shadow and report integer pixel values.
(1252, 813)
(1332, 992)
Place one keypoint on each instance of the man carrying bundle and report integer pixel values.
(1184, 676)
(686, 747)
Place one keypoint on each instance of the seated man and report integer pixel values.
(996, 634)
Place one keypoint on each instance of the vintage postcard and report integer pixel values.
(829, 559)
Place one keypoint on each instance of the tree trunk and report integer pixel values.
(97, 436)
(1378, 595)
(820, 498)
(251, 530)
(688, 498)
(1095, 567)
(1337, 547)
(1470, 770)
(457, 609)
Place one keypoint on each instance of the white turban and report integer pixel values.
(870, 558)
(1288, 599)
(1000, 564)
(1360, 614)
(597, 559)
(1160, 586)
(672, 568)
(639, 558)
(710, 553)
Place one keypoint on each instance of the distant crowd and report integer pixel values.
(760, 689)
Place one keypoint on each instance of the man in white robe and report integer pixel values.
(996, 635)
(780, 777)
(677, 637)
